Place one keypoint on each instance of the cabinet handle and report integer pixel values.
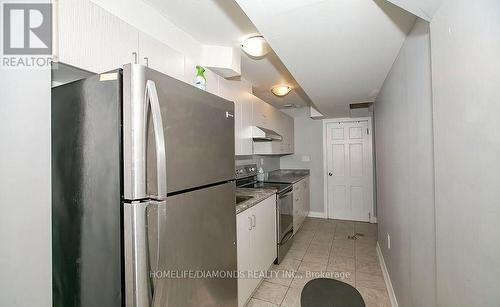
(147, 61)
(250, 224)
(135, 57)
(253, 217)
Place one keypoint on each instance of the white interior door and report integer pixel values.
(350, 170)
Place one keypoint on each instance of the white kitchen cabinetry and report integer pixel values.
(289, 128)
(262, 113)
(256, 239)
(267, 116)
(301, 203)
(160, 57)
(244, 139)
(239, 93)
(88, 37)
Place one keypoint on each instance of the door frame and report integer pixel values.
(373, 218)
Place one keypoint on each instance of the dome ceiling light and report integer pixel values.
(256, 46)
(281, 90)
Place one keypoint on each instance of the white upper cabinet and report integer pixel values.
(91, 38)
(239, 93)
(261, 113)
(160, 57)
(266, 116)
(88, 37)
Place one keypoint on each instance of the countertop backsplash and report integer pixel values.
(268, 163)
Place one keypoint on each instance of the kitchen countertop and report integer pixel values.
(258, 196)
(287, 175)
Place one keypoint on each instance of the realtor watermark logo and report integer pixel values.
(26, 34)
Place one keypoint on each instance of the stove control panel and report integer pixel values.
(246, 171)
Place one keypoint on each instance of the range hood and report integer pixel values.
(260, 134)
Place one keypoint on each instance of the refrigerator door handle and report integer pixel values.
(144, 256)
(137, 275)
(156, 268)
(152, 102)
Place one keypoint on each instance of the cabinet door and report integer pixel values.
(265, 233)
(246, 125)
(301, 203)
(245, 259)
(238, 91)
(104, 44)
(307, 201)
(259, 116)
(296, 207)
(229, 90)
(275, 118)
(286, 126)
(160, 57)
(290, 130)
(238, 129)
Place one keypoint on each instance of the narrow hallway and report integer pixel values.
(322, 249)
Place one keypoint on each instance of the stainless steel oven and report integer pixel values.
(246, 178)
(284, 222)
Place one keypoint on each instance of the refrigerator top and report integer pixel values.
(176, 137)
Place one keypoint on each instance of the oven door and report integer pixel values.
(285, 211)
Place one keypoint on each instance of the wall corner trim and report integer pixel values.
(387, 278)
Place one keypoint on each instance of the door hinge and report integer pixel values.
(369, 216)
(368, 131)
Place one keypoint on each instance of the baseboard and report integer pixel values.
(320, 215)
(387, 278)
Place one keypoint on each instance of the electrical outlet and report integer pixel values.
(306, 158)
(261, 161)
(388, 241)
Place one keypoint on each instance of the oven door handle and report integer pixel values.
(280, 196)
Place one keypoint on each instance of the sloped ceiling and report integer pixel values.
(339, 51)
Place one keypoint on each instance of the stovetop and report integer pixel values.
(246, 177)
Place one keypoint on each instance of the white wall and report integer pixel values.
(25, 226)
(405, 172)
(308, 143)
(466, 80)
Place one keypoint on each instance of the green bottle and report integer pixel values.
(200, 81)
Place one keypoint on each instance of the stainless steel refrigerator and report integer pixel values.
(143, 192)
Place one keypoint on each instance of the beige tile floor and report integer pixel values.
(321, 249)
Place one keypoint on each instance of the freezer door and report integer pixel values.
(196, 234)
(86, 190)
(198, 128)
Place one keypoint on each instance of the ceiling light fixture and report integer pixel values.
(281, 90)
(256, 46)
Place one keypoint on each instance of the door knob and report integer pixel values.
(330, 174)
